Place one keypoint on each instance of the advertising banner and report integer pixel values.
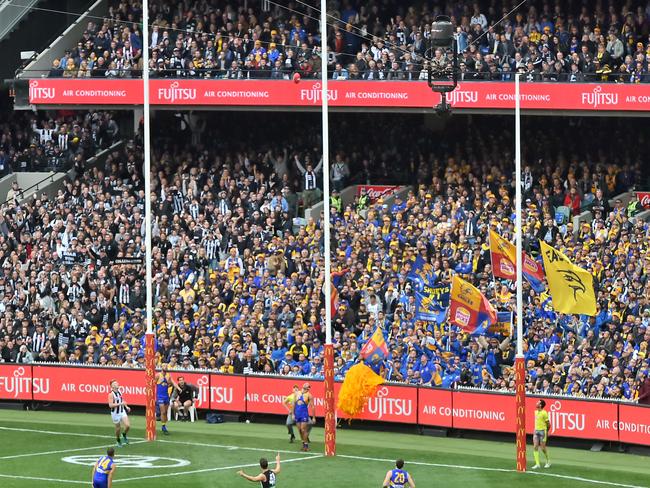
(644, 198)
(385, 94)
(267, 395)
(634, 424)
(574, 418)
(375, 192)
(392, 404)
(16, 382)
(484, 411)
(226, 392)
(435, 407)
(577, 419)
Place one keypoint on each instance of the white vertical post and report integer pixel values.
(147, 163)
(518, 222)
(326, 173)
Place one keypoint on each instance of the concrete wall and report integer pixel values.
(41, 65)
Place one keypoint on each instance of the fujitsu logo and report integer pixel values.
(175, 92)
(313, 94)
(40, 93)
(462, 96)
(597, 97)
(565, 420)
(383, 405)
(207, 393)
(19, 384)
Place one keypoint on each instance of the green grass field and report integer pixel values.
(58, 449)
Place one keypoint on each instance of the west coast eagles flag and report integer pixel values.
(469, 309)
(572, 288)
(503, 255)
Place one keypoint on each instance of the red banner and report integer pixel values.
(16, 382)
(266, 395)
(577, 419)
(225, 392)
(634, 424)
(392, 404)
(435, 407)
(484, 411)
(389, 94)
(644, 198)
(580, 419)
(375, 192)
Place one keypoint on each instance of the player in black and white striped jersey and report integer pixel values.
(119, 411)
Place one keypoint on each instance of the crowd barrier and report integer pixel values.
(458, 409)
(352, 94)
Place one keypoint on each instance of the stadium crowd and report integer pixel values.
(237, 281)
(53, 141)
(548, 41)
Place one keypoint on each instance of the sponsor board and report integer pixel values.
(577, 419)
(633, 424)
(481, 411)
(307, 93)
(267, 395)
(392, 404)
(644, 198)
(16, 382)
(375, 192)
(581, 419)
(435, 407)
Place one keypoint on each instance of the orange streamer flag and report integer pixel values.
(360, 384)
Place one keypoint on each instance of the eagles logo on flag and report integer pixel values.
(572, 288)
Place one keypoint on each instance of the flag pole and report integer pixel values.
(520, 371)
(149, 348)
(330, 417)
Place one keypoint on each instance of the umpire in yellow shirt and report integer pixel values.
(540, 436)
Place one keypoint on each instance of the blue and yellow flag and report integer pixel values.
(572, 288)
(375, 348)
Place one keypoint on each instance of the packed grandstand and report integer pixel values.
(388, 40)
(238, 267)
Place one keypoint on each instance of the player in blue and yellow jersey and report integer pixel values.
(301, 406)
(164, 382)
(398, 477)
(540, 435)
(103, 470)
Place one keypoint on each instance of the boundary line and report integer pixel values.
(207, 470)
(43, 479)
(504, 470)
(61, 452)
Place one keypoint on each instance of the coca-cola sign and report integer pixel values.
(375, 192)
(644, 198)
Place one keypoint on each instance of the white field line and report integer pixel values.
(308, 456)
(208, 470)
(201, 444)
(79, 434)
(34, 478)
(481, 468)
(61, 452)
